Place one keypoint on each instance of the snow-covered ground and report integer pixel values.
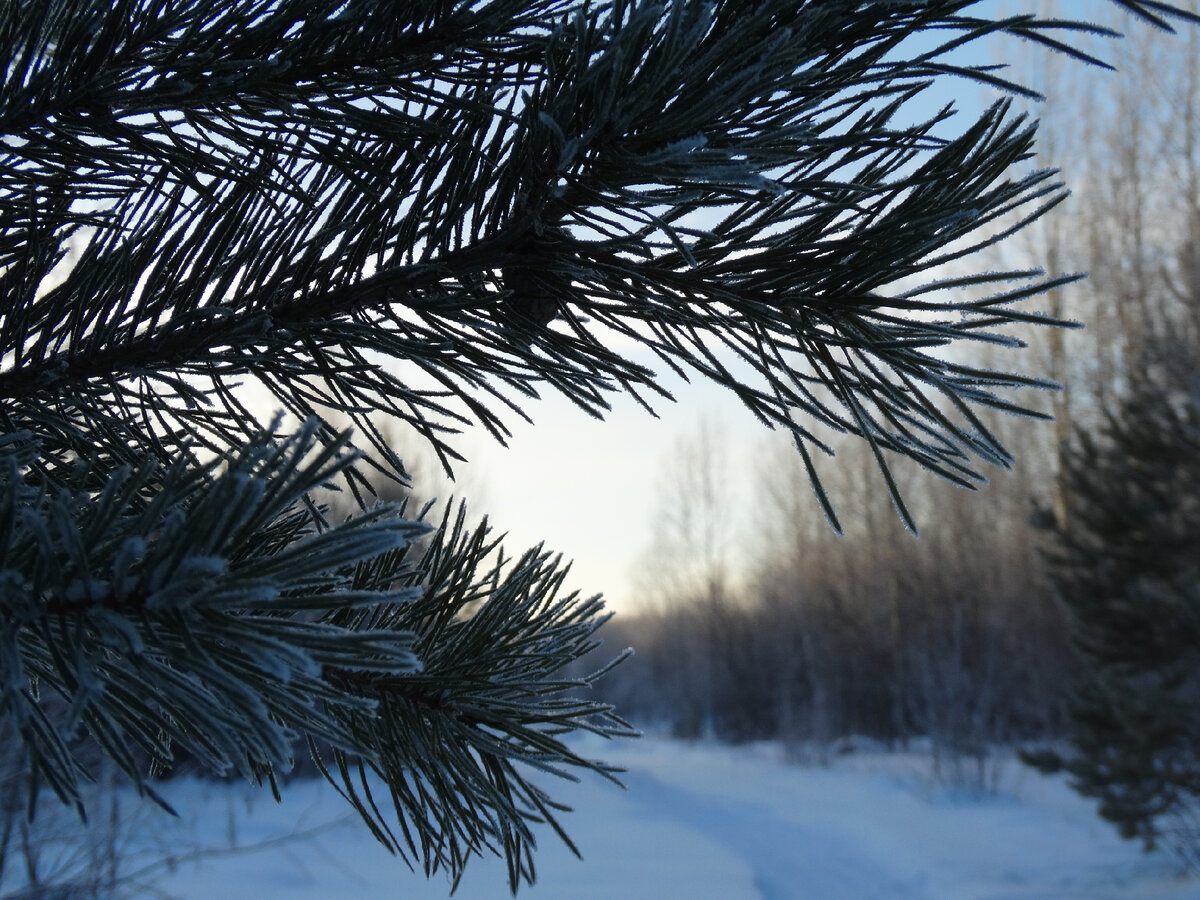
(700, 821)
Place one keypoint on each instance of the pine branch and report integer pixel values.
(348, 148)
(176, 607)
(448, 742)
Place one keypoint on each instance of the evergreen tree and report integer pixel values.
(1127, 566)
(431, 210)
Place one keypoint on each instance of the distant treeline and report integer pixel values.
(954, 636)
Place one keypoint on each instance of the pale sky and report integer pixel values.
(588, 489)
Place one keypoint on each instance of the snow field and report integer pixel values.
(702, 822)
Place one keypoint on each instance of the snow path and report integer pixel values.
(787, 860)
